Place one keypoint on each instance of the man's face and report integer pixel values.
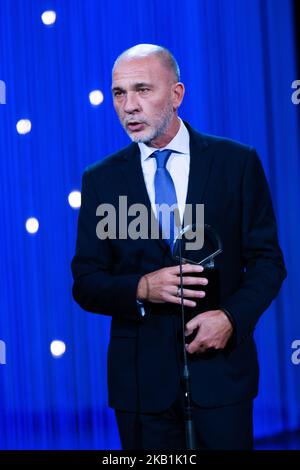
(143, 97)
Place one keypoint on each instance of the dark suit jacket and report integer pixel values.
(144, 356)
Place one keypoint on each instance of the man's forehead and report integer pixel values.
(137, 69)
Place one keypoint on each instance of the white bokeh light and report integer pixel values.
(23, 126)
(57, 348)
(32, 225)
(48, 17)
(74, 199)
(96, 97)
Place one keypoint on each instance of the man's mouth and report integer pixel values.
(135, 126)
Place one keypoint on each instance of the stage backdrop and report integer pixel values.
(237, 60)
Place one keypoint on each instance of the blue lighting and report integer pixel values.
(238, 61)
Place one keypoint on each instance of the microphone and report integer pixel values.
(188, 417)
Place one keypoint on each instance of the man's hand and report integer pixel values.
(162, 285)
(214, 330)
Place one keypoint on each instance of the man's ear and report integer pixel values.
(178, 91)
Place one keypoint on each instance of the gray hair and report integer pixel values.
(144, 50)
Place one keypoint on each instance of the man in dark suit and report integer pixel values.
(136, 281)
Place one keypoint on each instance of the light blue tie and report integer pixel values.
(165, 193)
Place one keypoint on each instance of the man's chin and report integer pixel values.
(139, 137)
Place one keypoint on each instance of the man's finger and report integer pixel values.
(190, 281)
(195, 347)
(191, 325)
(191, 268)
(190, 293)
(177, 300)
(187, 268)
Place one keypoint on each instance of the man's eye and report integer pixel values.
(118, 93)
(144, 90)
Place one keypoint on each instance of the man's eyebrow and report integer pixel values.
(138, 86)
(143, 84)
(135, 86)
(117, 88)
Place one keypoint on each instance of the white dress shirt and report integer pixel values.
(178, 165)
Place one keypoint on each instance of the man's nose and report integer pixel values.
(131, 104)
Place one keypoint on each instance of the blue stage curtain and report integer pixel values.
(238, 61)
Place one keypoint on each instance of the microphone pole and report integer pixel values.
(188, 417)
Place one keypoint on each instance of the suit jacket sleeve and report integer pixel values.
(96, 287)
(262, 257)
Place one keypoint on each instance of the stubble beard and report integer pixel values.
(157, 129)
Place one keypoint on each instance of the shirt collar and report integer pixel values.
(180, 143)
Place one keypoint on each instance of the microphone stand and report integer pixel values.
(208, 262)
(189, 425)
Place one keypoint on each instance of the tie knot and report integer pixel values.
(161, 157)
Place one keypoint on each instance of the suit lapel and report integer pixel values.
(132, 173)
(200, 166)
